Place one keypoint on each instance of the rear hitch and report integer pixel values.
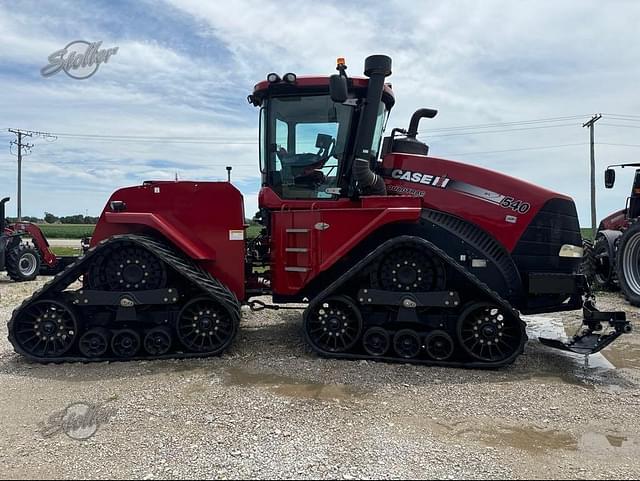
(594, 335)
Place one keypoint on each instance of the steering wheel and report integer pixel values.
(326, 148)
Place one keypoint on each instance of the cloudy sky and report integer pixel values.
(173, 98)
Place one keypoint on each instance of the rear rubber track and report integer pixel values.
(200, 285)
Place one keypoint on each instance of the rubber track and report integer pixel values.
(377, 253)
(185, 267)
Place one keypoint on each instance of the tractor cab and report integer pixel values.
(311, 128)
(633, 201)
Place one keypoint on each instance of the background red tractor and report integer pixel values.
(24, 260)
(612, 261)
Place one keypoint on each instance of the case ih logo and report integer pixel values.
(79, 59)
(420, 178)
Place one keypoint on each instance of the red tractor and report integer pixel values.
(613, 261)
(23, 261)
(399, 256)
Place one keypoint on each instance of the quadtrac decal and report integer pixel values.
(444, 182)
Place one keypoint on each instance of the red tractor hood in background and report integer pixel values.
(502, 205)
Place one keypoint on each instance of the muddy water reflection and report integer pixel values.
(290, 386)
(535, 440)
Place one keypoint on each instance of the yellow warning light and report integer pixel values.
(341, 61)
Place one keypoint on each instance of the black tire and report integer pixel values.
(599, 264)
(23, 262)
(628, 264)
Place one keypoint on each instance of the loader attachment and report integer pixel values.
(594, 335)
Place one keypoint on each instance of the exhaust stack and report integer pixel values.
(377, 68)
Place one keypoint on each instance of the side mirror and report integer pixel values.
(609, 178)
(338, 88)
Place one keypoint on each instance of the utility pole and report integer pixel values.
(594, 219)
(20, 134)
(229, 173)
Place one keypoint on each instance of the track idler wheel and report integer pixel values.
(95, 342)
(489, 334)
(158, 341)
(205, 326)
(439, 345)
(125, 343)
(333, 325)
(407, 344)
(46, 329)
(376, 341)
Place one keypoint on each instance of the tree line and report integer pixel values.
(49, 218)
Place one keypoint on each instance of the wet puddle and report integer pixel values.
(536, 440)
(526, 439)
(290, 386)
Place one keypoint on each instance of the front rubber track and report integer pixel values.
(485, 294)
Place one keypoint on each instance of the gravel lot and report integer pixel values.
(269, 408)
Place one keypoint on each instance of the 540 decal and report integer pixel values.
(515, 205)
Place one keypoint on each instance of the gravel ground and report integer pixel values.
(269, 408)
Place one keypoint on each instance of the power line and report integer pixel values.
(499, 131)
(621, 125)
(26, 148)
(542, 147)
(504, 124)
(618, 145)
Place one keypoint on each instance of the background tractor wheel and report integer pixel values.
(599, 264)
(628, 263)
(23, 263)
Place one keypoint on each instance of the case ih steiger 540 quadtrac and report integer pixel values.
(399, 256)
(613, 260)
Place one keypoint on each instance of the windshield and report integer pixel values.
(307, 139)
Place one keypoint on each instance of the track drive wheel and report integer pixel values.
(205, 326)
(23, 262)
(489, 334)
(410, 269)
(128, 267)
(333, 325)
(628, 263)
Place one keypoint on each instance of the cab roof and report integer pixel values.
(314, 84)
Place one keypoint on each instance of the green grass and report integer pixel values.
(253, 230)
(67, 231)
(66, 251)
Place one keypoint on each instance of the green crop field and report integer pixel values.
(67, 231)
(587, 233)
